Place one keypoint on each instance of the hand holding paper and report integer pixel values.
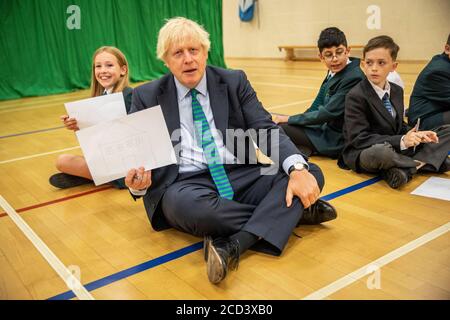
(138, 179)
(70, 123)
(140, 139)
(92, 111)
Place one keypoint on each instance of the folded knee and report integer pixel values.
(190, 201)
(318, 174)
(377, 157)
(63, 161)
(378, 151)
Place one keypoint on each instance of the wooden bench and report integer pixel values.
(290, 56)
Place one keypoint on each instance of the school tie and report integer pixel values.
(208, 145)
(320, 98)
(387, 104)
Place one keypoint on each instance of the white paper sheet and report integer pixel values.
(434, 187)
(92, 111)
(139, 139)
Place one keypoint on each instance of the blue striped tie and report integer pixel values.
(387, 104)
(208, 145)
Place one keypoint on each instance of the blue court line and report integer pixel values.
(184, 251)
(30, 132)
(133, 270)
(355, 187)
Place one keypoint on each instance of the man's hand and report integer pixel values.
(279, 118)
(138, 179)
(414, 138)
(303, 185)
(70, 123)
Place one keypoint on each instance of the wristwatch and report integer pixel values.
(299, 166)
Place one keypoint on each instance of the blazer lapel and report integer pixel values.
(333, 80)
(376, 102)
(169, 106)
(218, 99)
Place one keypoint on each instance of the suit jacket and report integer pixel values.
(431, 93)
(367, 122)
(234, 105)
(127, 93)
(323, 123)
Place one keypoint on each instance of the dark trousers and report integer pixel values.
(435, 120)
(299, 138)
(192, 205)
(383, 156)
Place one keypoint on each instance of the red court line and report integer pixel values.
(3, 214)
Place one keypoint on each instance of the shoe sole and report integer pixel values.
(65, 181)
(215, 266)
(206, 244)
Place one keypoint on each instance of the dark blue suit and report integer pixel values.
(189, 201)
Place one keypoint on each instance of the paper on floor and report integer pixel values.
(434, 187)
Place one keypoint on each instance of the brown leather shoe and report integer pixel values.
(319, 212)
(223, 254)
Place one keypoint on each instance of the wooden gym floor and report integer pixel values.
(105, 235)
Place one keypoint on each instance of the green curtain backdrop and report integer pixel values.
(40, 55)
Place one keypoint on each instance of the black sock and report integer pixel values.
(245, 239)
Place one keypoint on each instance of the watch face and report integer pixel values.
(299, 166)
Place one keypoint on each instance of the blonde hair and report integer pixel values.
(177, 31)
(96, 88)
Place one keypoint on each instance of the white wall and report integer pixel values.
(420, 27)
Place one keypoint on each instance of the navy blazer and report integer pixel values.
(234, 105)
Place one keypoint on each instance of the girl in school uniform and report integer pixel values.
(109, 75)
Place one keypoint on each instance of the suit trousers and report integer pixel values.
(192, 205)
(383, 156)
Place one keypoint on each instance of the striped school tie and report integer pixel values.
(320, 98)
(387, 104)
(208, 145)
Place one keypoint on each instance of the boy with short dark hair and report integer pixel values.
(430, 99)
(376, 137)
(318, 130)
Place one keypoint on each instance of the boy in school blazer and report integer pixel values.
(319, 129)
(377, 139)
(430, 99)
